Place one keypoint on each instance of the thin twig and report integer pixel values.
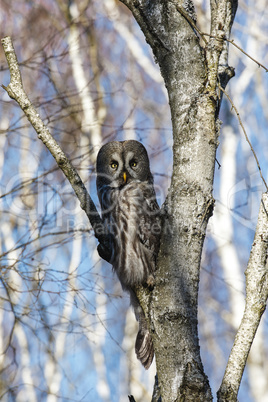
(245, 134)
(203, 34)
(238, 47)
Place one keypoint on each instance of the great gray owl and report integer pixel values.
(131, 215)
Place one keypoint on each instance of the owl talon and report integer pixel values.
(150, 282)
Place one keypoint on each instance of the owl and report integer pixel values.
(132, 219)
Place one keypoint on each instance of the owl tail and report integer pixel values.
(144, 347)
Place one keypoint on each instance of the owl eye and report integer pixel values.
(133, 164)
(114, 165)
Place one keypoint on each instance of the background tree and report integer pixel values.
(93, 79)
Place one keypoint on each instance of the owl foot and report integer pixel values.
(150, 282)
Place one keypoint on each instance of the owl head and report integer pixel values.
(121, 162)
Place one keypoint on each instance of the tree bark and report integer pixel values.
(191, 76)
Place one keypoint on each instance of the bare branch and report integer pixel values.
(256, 298)
(16, 91)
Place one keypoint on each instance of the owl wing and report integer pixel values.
(150, 225)
(149, 237)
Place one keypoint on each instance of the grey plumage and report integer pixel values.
(131, 215)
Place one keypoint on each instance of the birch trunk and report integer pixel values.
(191, 78)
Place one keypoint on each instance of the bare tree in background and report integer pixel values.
(92, 79)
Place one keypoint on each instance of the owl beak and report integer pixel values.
(125, 177)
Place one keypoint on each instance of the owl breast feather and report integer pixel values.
(132, 217)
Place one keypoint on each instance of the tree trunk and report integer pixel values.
(191, 78)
